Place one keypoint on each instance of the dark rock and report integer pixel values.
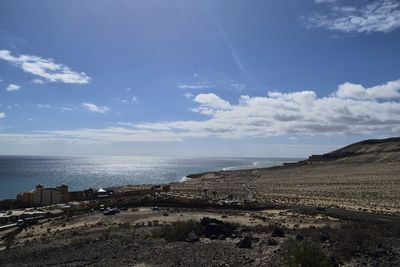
(324, 237)
(278, 232)
(246, 242)
(221, 237)
(334, 262)
(192, 237)
(214, 227)
(299, 237)
(272, 242)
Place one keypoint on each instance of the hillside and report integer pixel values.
(362, 176)
(372, 150)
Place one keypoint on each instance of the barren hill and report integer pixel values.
(361, 176)
(372, 150)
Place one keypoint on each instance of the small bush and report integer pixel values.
(178, 231)
(306, 254)
(125, 225)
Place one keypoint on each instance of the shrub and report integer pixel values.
(178, 231)
(306, 254)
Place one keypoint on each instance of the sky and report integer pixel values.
(186, 78)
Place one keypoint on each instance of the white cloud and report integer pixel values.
(2, 115)
(212, 101)
(44, 106)
(93, 136)
(297, 113)
(38, 81)
(226, 85)
(132, 100)
(47, 69)
(188, 95)
(324, 1)
(195, 86)
(350, 110)
(377, 16)
(94, 108)
(66, 109)
(13, 87)
(390, 90)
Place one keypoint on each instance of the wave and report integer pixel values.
(258, 164)
(184, 179)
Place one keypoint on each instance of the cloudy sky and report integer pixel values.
(255, 78)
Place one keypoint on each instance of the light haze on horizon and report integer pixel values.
(195, 78)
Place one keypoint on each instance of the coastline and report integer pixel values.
(346, 206)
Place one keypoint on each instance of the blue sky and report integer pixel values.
(197, 78)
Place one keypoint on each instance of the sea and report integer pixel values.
(23, 173)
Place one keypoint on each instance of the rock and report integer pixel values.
(221, 237)
(246, 242)
(278, 232)
(299, 237)
(324, 237)
(192, 237)
(334, 262)
(165, 214)
(272, 242)
(214, 227)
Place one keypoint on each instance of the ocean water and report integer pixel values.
(22, 173)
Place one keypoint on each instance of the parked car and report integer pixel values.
(111, 211)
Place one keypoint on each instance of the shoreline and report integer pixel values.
(82, 174)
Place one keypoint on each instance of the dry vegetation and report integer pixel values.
(369, 187)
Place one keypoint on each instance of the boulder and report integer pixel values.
(324, 237)
(272, 242)
(192, 237)
(214, 227)
(278, 232)
(246, 242)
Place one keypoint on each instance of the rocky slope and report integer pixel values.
(372, 150)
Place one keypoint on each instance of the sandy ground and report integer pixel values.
(125, 239)
(370, 187)
(65, 233)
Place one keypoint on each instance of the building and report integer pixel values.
(48, 196)
(25, 197)
(45, 196)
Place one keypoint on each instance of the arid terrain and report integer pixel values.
(144, 237)
(363, 176)
(337, 209)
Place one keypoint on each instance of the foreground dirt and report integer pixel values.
(126, 240)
